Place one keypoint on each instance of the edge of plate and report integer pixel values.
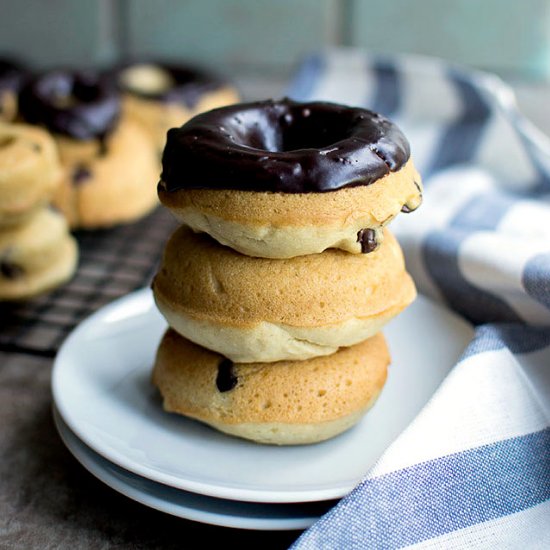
(85, 458)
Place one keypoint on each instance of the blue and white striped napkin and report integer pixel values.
(473, 469)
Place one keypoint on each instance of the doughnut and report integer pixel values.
(102, 190)
(36, 256)
(161, 96)
(11, 79)
(264, 310)
(109, 164)
(30, 172)
(279, 179)
(285, 403)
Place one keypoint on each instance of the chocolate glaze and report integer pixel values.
(367, 238)
(282, 146)
(191, 84)
(226, 379)
(11, 76)
(81, 105)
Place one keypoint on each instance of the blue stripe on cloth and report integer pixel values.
(518, 338)
(484, 211)
(386, 98)
(461, 139)
(440, 496)
(440, 252)
(536, 280)
(440, 249)
(303, 84)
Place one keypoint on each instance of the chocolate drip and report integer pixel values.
(367, 238)
(282, 146)
(10, 270)
(226, 379)
(81, 105)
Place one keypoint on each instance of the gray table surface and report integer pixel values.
(47, 500)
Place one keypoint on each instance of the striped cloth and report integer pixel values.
(473, 469)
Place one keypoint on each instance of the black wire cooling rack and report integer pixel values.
(112, 263)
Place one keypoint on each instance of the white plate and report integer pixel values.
(215, 511)
(101, 387)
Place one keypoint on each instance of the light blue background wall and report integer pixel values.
(508, 36)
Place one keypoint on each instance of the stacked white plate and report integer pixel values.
(111, 418)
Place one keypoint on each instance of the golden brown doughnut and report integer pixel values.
(36, 256)
(30, 172)
(102, 189)
(262, 310)
(283, 403)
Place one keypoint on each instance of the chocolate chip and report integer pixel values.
(407, 209)
(226, 379)
(36, 148)
(80, 174)
(11, 271)
(5, 141)
(367, 238)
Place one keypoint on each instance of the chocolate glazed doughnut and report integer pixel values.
(168, 82)
(79, 105)
(163, 95)
(280, 178)
(109, 163)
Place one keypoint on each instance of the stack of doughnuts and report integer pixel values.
(108, 161)
(37, 252)
(277, 283)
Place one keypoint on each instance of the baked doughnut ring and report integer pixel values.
(161, 96)
(264, 310)
(279, 179)
(11, 80)
(109, 165)
(36, 256)
(104, 189)
(284, 403)
(30, 172)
